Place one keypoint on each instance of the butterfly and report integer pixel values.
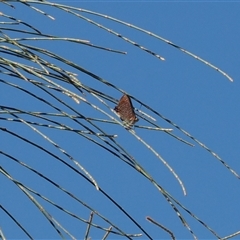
(125, 110)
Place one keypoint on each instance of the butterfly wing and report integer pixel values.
(125, 110)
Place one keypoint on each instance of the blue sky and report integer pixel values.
(191, 94)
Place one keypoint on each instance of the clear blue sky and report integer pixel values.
(194, 96)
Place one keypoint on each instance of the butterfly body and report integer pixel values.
(125, 110)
